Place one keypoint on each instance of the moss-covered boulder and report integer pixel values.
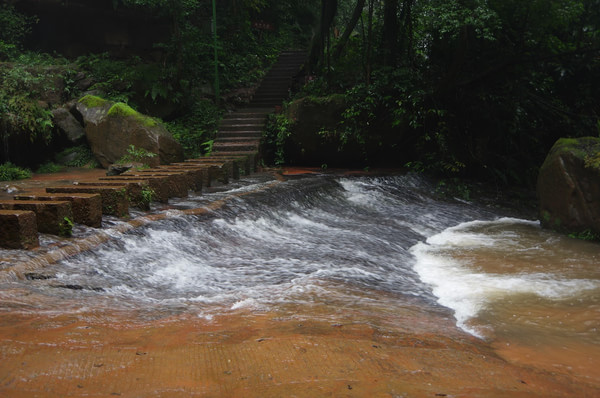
(568, 186)
(111, 128)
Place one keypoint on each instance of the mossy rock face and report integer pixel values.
(124, 110)
(568, 186)
(93, 101)
(111, 128)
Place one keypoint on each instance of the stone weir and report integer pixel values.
(236, 152)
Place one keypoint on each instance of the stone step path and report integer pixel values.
(241, 131)
(235, 153)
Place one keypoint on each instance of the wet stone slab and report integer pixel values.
(18, 229)
(86, 207)
(52, 217)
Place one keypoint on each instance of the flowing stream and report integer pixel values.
(354, 241)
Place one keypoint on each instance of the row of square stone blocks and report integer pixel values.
(85, 202)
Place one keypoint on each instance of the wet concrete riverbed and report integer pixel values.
(291, 351)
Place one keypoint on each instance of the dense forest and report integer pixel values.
(466, 88)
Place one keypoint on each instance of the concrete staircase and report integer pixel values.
(235, 153)
(241, 131)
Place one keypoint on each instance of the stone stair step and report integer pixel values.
(251, 119)
(211, 173)
(230, 166)
(251, 157)
(51, 216)
(241, 134)
(180, 182)
(157, 183)
(136, 190)
(244, 162)
(243, 127)
(114, 199)
(86, 207)
(237, 139)
(237, 146)
(18, 229)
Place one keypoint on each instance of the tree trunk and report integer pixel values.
(360, 4)
(390, 32)
(369, 43)
(405, 45)
(317, 52)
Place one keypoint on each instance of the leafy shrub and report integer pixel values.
(124, 80)
(139, 155)
(49, 167)
(78, 156)
(197, 128)
(275, 137)
(9, 172)
(19, 108)
(15, 26)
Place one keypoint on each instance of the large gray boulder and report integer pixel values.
(111, 128)
(68, 126)
(568, 186)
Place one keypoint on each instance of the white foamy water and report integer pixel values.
(476, 264)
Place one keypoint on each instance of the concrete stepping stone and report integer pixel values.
(138, 191)
(52, 217)
(179, 182)
(86, 207)
(18, 229)
(114, 198)
(158, 184)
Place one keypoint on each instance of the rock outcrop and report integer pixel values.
(568, 186)
(111, 129)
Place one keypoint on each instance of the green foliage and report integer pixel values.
(15, 26)
(207, 147)
(275, 137)
(448, 18)
(196, 128)
(49, 167)
(20, 110)
(83, 156)
(9, 172)
(114, 78)
(138, 155)
(66, 227)
(588, 234)
(453, 188)
(478, 88)
(147, 197)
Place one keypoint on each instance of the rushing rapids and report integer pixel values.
(348, 242)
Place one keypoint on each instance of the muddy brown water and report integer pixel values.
(306, 287)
